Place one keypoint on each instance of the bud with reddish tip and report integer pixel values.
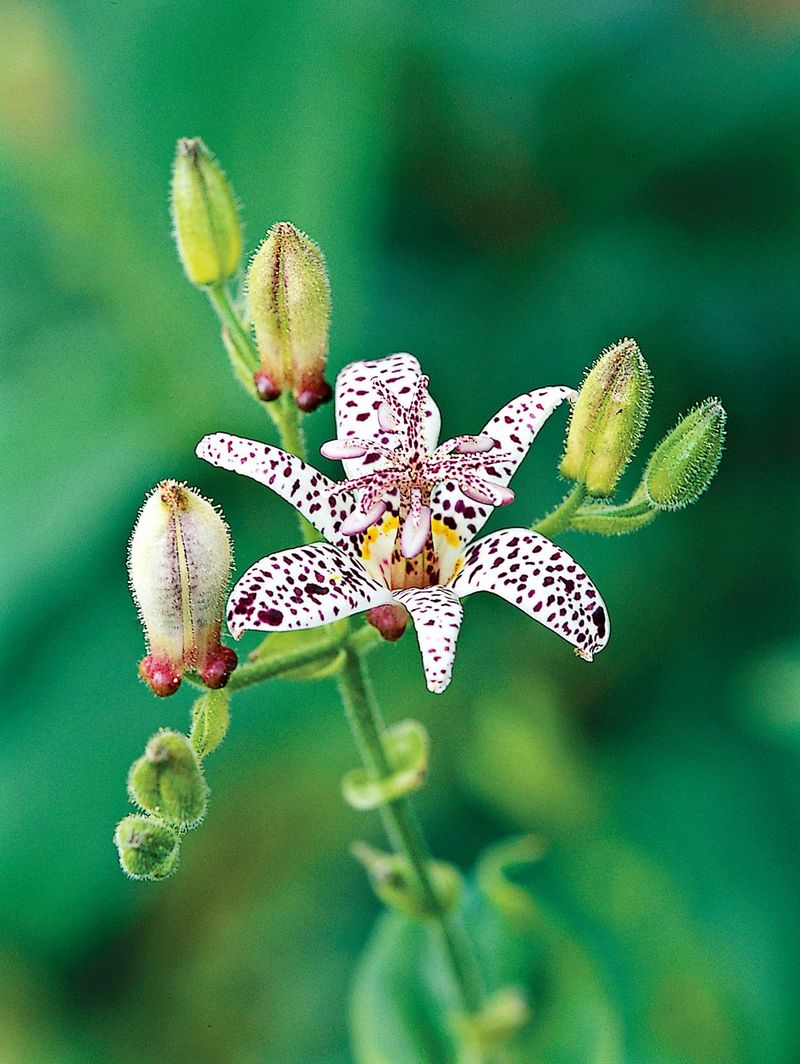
(390, 620)
(608, 418)
(207, 228)
(179, 563)
(289, 301)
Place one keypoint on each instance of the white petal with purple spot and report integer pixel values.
(512, 429)
(308, 490)
(358, 406)
(301, 588)
(541, 579)
(437, 614)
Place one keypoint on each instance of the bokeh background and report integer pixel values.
(502, 189)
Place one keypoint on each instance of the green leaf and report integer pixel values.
(404, 1008)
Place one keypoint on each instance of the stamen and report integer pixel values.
(485, 491)
(358, 521)
(338, 450)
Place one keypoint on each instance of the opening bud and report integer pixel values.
(179, 563)
(148, 848)
(207, 229)
(289, 300)
(395, 884)
(684, 463)
(168, 780)
(608, 418)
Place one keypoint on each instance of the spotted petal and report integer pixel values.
(358, 404)
(308, 490)
(437, 614)
(541, 579)
(513, 429)
(301, 588)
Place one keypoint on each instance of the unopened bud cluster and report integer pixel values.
(608, 418)
(168, 785)
(289, 301)
(179, 564)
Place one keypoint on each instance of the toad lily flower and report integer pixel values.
(400, 529)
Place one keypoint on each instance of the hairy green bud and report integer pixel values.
(608, 418)
(148, 848)
(394, 882)
(207, 228)
(168, 780)
(289, 300)
(684, 463)
(210, 719)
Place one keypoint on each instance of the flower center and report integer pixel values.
(407, 471)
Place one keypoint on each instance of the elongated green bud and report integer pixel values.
(289, 300)
(207, 228)
(179, 564)
(168, 780)
(684, 463)
(608, 418)
(148, 848)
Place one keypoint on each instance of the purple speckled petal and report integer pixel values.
(513, 429)
(308, 490)
(437, 614)
(358, 406)
(541, 579)
(301, 588)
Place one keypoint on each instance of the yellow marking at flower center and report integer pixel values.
(439, 528)
(389, 523)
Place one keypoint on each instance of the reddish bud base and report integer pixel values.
(266, 388)
(215, 671)
(391, 621)
(161, 676)
(312, 394)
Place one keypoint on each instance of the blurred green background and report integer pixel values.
(503, 190)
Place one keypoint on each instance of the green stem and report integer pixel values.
(559, 519)
(404, 831)
(221, 301)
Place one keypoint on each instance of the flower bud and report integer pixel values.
(684, 463)
(207, 229)
(608, 418)
(289, 301)
(148, 848)
(168, 780)
(179, 562)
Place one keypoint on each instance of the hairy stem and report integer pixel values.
(559, 519)
(404, 831)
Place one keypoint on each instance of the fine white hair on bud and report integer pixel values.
(207, 228)
(289, 301)
(608, 418)
(179, 563)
